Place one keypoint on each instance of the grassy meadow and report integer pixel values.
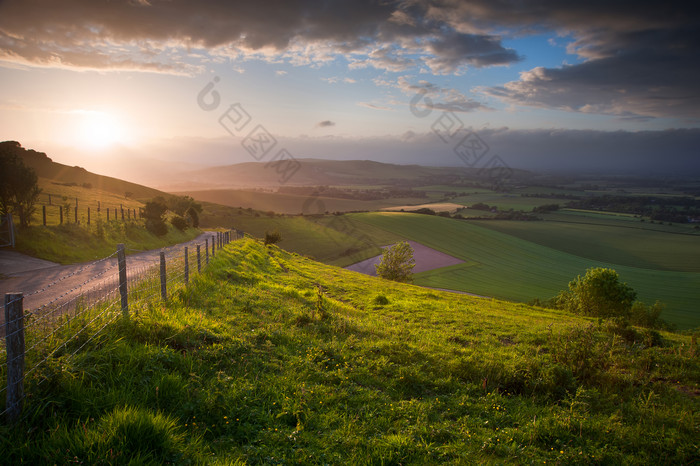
(72, 242)
(270, 357)
(507, 267)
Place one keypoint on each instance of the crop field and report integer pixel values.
(505, 201)
(512, 268)
(618, 244)
(293, 203)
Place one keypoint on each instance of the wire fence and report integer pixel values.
(69, 320)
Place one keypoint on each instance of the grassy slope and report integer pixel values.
(243, 367)
(341, 243)
(71, 242)
(506, 267)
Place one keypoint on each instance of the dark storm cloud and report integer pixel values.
(325, 124)
(71, 32)
(641, 58)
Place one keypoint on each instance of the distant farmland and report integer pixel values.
(292, 203)
(507, 267)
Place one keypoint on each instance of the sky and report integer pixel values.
(146, 88)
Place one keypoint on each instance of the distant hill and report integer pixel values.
(47, 168)
(314, 172)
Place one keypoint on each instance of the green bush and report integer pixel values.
(179, 222)
(599, 293)
(272, 237)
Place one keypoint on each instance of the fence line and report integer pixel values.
(32, 337)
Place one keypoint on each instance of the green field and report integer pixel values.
(271, 358)
(613, 243)
(515, 269)
(293, 203)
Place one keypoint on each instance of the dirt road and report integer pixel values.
(44, 282)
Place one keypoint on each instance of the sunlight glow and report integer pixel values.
(99, 130)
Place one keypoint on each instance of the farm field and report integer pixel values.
(505, 201)
(292, 203)
(615, 243)
(515, 269)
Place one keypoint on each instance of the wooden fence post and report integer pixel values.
(43, 213)
(213, 246)
(199, 261)
(187, 266)
(88, 219)
(76, 210)
(14, 341)
(123, 290)
(98, 206)
(60, 213)
(206, 249)
(163, 278)
(49, 199)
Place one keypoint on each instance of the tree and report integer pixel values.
(397, 263)
(154, 212)
(599, 293)
(19, 189)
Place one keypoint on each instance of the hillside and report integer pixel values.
(269, 357)
(58, 172)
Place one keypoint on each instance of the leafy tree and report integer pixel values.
(179, 222)
(193, 216)
(19, 189)
(153, 212)
(599, 293)
(397, 263)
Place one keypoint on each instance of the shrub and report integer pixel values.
(381, 300)
(599, 293)
(179, 222)
(156, 226)
(272, 237)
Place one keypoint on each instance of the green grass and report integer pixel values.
(507, 267)
(624, 244)
(251, 364)
(293, 203)
(506, 201)
(336, 240)
(68, 244)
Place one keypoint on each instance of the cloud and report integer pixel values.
(374, 106)
(325, 124)
(176, 36)
(337, 79)
(427, 95)
(638, 60)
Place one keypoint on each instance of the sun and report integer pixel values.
(100, 130)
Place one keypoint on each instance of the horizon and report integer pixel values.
(176, 86)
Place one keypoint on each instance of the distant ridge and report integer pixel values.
(312, 172)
